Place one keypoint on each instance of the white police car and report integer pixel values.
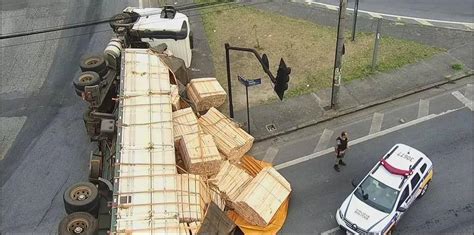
(383, 196)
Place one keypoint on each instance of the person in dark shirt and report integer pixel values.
(341, 147)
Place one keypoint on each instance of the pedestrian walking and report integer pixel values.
(341, 147)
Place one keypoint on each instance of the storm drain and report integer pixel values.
(271, 127)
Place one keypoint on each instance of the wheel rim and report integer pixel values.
(80, 193)
(86, 78)
(423, 191)
(91, 61)
(78, 226)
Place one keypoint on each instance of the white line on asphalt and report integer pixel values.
(362, 139)
(375, 15)
(424, 22)
(463, 100)
(140, 3)
(469, 91)
(331, 231)
(324, 140)
(423, 108)
(467, 24)
(376, 125)
(270, 154)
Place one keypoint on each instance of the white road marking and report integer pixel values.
(463, 100)
(270, 154)
(469, 91)
(376, 125)
(140, 3)
(424, 22)
(373, 14)
(362, 139)
(423, 108)
(331, 231)
(324, 140)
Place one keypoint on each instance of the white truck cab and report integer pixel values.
(159, 25)
(384, 195)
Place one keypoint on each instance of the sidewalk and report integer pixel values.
(303, 111)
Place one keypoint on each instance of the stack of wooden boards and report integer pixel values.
(205, 93)
(255, 199)
(202, 143)
(212, 146)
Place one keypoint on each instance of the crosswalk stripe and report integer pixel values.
(423, 108)
(377, 120)
(270, 154)
(324, 140)
(463, 100)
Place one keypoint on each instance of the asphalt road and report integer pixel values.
(43, 140)
(453, 10)
(446, 139)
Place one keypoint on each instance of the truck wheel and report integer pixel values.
(84, 79)
(81, 197)
(94, 63)
(124, 19)
(78, 223)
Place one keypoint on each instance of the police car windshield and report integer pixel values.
(376, 194)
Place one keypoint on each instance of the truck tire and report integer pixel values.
(81, 197)
(84, 79)
(94, 63)
(78, 223)
(124, 19)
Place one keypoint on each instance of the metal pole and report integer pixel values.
(376, 46)
(354, 22)
(248, 111)
(338, 54)
(229, 83)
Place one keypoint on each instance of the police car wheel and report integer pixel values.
(423, 190)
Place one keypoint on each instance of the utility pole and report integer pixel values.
(336, 76)
(376, 44)
(354, 22)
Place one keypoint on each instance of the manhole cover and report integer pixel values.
(271, 127)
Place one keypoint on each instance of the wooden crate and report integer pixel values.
(262, 197)
(185, 122)
(175, 100)
(230, 181)
(200, 154)
(206, 93)
(231, 140)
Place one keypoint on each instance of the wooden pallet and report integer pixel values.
(200, 154)
(206, 93)
(262, 197)
(231, 140)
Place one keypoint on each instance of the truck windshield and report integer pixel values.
(376, 194)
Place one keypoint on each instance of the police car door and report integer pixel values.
(402, 202)
(415, 185)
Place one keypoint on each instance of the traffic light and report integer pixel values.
(282, 78)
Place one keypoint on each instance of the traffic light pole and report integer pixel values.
(337, 74)
(229, 82)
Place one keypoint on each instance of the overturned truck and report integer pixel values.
(134, 185)
(160, 167)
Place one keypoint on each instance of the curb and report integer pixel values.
(344, 112)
